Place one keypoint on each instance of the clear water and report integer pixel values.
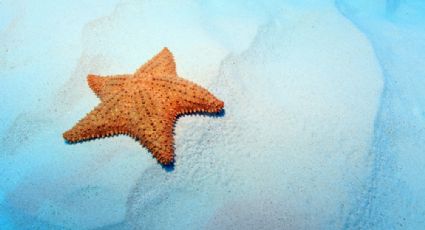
(324, 122)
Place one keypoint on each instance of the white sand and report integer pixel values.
(301, 87)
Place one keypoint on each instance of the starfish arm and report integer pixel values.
(158, 139)
(152, 125)
(187, 97)
(104, 120)
(106, 86)
(163, 64)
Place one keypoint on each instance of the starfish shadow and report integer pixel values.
(168, 168)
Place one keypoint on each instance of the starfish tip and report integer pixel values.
(67, 136)
(165, 49)
(220, 104)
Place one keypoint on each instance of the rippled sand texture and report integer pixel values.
(320, 129)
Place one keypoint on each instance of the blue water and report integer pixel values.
(324, 125)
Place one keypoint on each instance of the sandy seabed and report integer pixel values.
(323, 125)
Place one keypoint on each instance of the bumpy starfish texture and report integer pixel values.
(144, 105)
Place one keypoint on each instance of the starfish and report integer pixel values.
(144, 105)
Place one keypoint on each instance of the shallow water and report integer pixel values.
(323, 125)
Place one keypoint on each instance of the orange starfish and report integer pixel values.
(144, 105)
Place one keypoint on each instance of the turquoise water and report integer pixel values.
(324, 125)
